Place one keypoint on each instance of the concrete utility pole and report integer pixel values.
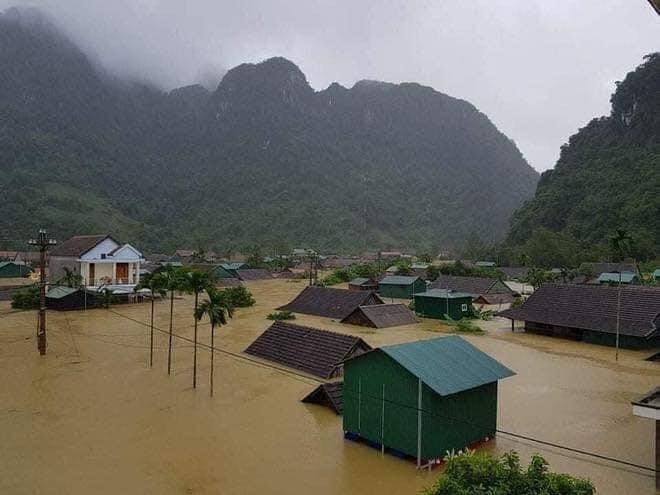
(43, 243)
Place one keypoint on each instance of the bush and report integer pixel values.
(26, 298)
(238, 297)
(484, 474)
(467, 326)
(281, 315)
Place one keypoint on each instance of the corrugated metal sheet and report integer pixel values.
(448, 365)
(398, 280)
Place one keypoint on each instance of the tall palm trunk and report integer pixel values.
(169, 350)
(151, 336)
(195, 345)
(212, 353)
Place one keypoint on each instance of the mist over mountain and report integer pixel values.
(608, 175)
(262, 159)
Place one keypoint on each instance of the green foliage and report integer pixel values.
(607, 179)
(464, 325)
(484, 474)
(432, 272)
(26, 298)
(462, 270)
(70, 278)
(281, 315)
(288, 167)
(344, 275)
(217, 307)
(238, 297)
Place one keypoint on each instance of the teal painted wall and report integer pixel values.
(12, 270)
(401, 291)
(451, 422)
(436, 307)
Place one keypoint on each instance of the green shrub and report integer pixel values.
(26, 298)
(281, 315)
(239, 297)
(485, 474)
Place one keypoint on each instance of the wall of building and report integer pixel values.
(591, 337)
(451, 422)
(436, 307)
(401, 291)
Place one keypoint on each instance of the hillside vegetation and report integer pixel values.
(263, 159)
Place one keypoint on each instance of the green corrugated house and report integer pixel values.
(436, 303)
(422, 398)
(400, 287)
(14, 269)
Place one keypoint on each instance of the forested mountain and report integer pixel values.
(608, 175)
(262, 159)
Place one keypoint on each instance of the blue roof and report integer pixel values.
(625, 277)
(448, 365)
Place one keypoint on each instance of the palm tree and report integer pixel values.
(156, 284)
(172, 279)
(218, 311)
(196, 282)
(70, 278)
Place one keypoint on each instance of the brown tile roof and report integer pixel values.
(329, 302)
(471, 285)
(77, 245)
(381, 316)
(253, 274)
(592, 307)
(494, 299)
(313, 351)
(329, 394)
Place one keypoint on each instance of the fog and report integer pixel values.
(540, 70)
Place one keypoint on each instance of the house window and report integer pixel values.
(464, 308)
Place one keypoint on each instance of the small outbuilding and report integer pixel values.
(422, 399)
(329, 302)
(615, 278)
(363, 283)
(69, 299)
(483, 290)
(311, 350)
(329, 394)
(400, 286)
(251, 274)
(14, 269)
(436, 303)
(381, 316)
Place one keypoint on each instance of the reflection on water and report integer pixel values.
(92, 406)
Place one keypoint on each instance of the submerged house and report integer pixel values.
(437, 303)
(422, 399)
(483, 290)
(310, 350)
(400, 287)
(363, 283)
(615, 278)
(99, 259)
(381, 316)
(251, 274)
(69, 298)
(329, 394)
(329, 302)
(14, 269)
(589, 313)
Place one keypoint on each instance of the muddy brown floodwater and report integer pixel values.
(91, 417)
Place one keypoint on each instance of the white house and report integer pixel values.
(99, 259)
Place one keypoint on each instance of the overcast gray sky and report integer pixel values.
(539, 69)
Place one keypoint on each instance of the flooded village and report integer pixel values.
(95, 397)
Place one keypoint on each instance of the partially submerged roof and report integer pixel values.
(232, 266)
(329, 394)
(60, 291)
(330, 302)
(648, 406)
(253, 274)
(443, 294)
(471, 285)
(78, 245)
(314, 351)
(447, 365)
(592, 307)
(383, 315)
(614, 277)
(399, 280)
(362, 281)
(17, 263)
(597, 268)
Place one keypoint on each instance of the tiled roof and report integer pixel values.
(311, 350)
(386, 315)
(253, 274)
(598, 268)
(471, 285)
(329, 394)
(398, 280)
(329, 302)
(592, 307)
(77, 245)
(362, 281)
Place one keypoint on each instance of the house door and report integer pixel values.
(92, 274)
(122, 273)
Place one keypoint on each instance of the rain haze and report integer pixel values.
(540, 70)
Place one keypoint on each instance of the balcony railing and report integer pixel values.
(97, 282)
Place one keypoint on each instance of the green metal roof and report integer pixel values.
(17, 263)
(359, 281)
(443, 294)
(398, 280)
(60, 292)
(656, 273)
(447, 365)
(625, 277)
